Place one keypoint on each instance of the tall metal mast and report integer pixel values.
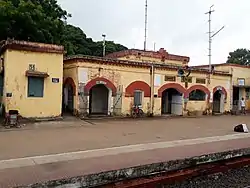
(209, 39)
(210, 36)
(104, 44)
(146, 22)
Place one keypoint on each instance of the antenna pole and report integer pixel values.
(146, 22)
(210, 36)
(104, 44)
(209, 42)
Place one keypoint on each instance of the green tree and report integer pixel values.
(75, 41)
(45, 21)
(239, 56)
(34, 20)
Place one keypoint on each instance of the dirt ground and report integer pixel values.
(74, 134)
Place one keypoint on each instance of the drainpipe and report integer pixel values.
(152, 76)
(2, 101)
(231, 90)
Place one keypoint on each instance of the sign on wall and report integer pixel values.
(8, 94)
(157, 80)
(241, 81)
(83, 75)
(101, 82)
(219, 88)
(55, 80)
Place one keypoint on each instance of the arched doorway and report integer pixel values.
(219, 96)
(100, 90)
(171, 98)
(171, 102)
(68, 95)
(217, 101)
(99, 100)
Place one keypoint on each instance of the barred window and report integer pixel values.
(200, 80)
(170, 78)
(35, 86)
(138, 97)
(197, 95)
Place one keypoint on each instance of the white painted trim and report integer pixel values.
(110, 102)
(88, 110)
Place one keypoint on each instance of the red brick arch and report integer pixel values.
(103, 81)
(199, 87)
(176, 86)
(137, 85)
(70, 81)
(224, 91)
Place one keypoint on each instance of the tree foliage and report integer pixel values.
(45, 21)
(239, 56)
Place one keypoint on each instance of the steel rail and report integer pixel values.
(183, 174)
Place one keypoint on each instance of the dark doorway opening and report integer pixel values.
(217, 102)
(171, 102)
(236, 97)
(236, 94)
(68, 99)
(98, 100)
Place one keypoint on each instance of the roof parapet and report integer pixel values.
(30, 46)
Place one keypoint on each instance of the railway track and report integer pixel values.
(167, 178)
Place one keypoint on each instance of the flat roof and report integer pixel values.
(224, 64)
(30, 46)
(118, 62)
(153, 54)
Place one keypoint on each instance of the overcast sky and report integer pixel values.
(180, 26)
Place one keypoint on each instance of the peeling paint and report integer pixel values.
(15, 82)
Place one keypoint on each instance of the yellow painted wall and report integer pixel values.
(150, 59)
(128, 103)
(123, 76)
(195, 105)
(3, 56)
(226, 83)
(15, 82)
(120, 76)
(238, 72)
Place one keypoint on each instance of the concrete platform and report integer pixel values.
(75, 135)
(99, 170)
(57, 150)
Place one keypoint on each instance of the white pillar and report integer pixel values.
(112, 105)
(110, 102)
(222, 103)
(87, 106)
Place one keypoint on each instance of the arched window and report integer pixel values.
(197, 95)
